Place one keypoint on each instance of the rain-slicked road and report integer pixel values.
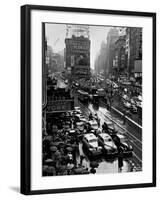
(132, 133)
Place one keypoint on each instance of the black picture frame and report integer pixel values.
(26, 98)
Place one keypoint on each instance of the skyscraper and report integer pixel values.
(112, 36)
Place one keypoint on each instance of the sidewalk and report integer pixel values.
(118, 105)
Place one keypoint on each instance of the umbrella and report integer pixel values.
(79, 170)
(69, 149)
(93, 171)
(48, 161)
(56, 143)
(57, 154)
(94, 164)
(70, 166)
(51, 169)
(62, 167)
(51, 144)
(45, 168)
(53, 148)
(72, 131)
(49, 138)
(85, 172)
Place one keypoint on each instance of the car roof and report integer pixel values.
(109, 123)
(77, 108)
(79, 123)
(121, 136)
(104, 135)
(90, 136)
(92, 122)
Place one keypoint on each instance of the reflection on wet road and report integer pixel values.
(133, 136)
(105, 165)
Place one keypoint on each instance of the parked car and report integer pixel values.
(121, 142)
(107, 144)
(90, 145)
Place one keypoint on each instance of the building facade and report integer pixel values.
(133, 49)
(101, 59)
(119, 60)
(112, 37)
(77, 52)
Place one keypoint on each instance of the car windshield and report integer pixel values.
(94, 125)
(107, 140)
(92, 140)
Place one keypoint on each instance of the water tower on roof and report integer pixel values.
(77, 31)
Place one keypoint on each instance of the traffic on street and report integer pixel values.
(91, 100)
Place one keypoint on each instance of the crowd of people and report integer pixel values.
(61, 147)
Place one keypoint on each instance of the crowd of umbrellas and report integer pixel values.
(60, 150)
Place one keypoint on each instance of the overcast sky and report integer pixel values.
(57, 32)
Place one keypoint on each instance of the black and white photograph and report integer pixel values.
(88, 99)
(92, 100)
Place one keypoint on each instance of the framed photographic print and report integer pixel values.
(88, 99)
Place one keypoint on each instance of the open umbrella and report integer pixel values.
(49, 138)
(79, 170)
(56, 143)
(62, 168)
(94, 164)
(48, 161)
(45, 167)
(70, 149)
(53, 148)
(51, 144)
(70, 166)
(51, 170)
(57, 154)
(93, 171)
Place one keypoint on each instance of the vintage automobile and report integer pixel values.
(78, 117)
(83, 96)
(78, 109)
(110, 128)
(108, 145)
(101, 92)
(90, 145)
(121, 142)
(80, 126)
(93, 124)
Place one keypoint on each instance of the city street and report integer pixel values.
(92, 100)
(128, 130)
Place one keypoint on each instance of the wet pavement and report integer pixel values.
(132, 134)
(105, 165)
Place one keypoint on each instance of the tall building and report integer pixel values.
(134, 50)
(77, 51)
(55, 61)
(119, 60)
(100, 61)
(112, 36)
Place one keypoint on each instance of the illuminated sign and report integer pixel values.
(60, 105)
